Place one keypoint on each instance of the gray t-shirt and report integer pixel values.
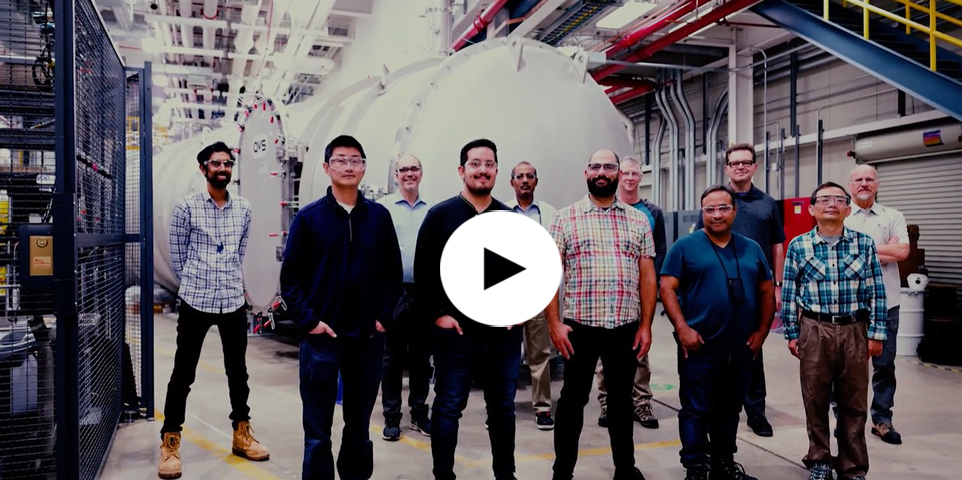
(757, 218)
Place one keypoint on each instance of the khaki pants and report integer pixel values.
(837, 352)
(641, 392)
(537, 347)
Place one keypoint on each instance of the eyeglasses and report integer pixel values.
(403, 170)
(868, 180)
(630, 174)
(609, 167)
(477, 164)
(522, 176)
(723, 209)
(220, 163)
(826, 200)
(741, 163)
(340, 162)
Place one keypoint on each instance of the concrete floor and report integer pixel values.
(928, 413)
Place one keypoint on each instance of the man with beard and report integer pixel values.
(208, 239)
(833, 306)
(628, 181)
(609, 301)
(717, 338)
(463, 346)
(408, 342)
(537, 342)
(341, 279)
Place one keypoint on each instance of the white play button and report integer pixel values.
(500, 268)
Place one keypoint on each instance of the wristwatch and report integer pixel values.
(778, 284)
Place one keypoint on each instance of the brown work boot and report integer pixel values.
(169, 465)
(245, 445)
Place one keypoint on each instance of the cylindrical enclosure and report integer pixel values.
(911, 315)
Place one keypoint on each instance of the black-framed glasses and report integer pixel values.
(723, 209)
(522, 176)
(220, 163)
(411, 169)
(608, 167)
(741, 163)
(826, 200)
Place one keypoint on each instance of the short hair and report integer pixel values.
(342, 141)
(525, 162)
(630, 160)
(481, 142)
(827, 185)
(617, 158)
(740, 146)
(403, 155)
(863, 165)
(718, 188)
(204, 155)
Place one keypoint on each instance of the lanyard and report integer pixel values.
(714, 248)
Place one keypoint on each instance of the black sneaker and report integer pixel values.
(392, 430)
(544, 421)
(634, 474)
(421, 424)
(603, 419)
(645, 417)
(729, 470)
(759, 424)
(887, 433)
(696, 472)
(820, 471)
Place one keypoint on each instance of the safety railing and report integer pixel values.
(927, 7)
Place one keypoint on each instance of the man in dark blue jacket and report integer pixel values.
(341, 279)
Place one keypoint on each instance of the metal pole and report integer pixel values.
(648, 130)
(768, 167)
(793, 94)
(781, 163)
(819, 147)
(798, 173)
(146, 244)
(704, 119)
(67, 352)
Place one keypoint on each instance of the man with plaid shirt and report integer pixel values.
(609, 290)
(834, 309)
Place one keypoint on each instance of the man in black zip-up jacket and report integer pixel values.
(462, 346)
(341, 279)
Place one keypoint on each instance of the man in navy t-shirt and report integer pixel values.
(717, 290)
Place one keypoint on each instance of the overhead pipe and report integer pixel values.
(716, 14)
(665, 106)
(186, 32)
(659, 22)
(632, 94)
(479, 24)
(711, 166)
(690, 153)
(656, 158)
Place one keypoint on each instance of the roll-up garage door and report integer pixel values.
(927, 192)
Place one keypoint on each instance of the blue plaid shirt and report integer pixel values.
(835, 279)
(207, 246)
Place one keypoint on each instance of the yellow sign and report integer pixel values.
(41, 255)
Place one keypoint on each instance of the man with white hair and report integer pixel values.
(886, 226)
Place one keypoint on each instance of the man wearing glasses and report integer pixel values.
(886, 226)
(609, 301)
(628, 181)
(462, 346)
(341, 279)
(717, 338)
(758, 219)
(407, 342)
(537, 342)
(208, 240)
(834, 309)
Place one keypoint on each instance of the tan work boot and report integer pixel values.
(245, 445)
(169, 465)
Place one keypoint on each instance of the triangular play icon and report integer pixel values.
(498, 269)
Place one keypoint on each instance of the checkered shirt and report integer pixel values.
(835, 279)
(600, 250)
(207, 246)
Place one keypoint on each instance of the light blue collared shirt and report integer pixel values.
(407, 220)
(533, 211)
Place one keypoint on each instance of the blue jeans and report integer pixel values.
(495, 353)
(359, 362)
(713, 384)
(883, 378)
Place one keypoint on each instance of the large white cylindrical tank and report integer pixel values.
(535, 103)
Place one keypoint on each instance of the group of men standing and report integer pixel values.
(362, 280)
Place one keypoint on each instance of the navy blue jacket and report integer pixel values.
(340, 268)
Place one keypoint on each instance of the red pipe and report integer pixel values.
(630, 94)
(479, 23)
(650, 49)
(651, 27)
(621, 82)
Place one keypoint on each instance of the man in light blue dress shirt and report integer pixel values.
(409, 341)
(537, 342)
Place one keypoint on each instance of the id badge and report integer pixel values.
(736, 290)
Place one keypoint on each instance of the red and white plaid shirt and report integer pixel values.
(600, 250)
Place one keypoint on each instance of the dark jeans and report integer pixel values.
(614, 347)
(192, 327)
(754, 400)
(712, 381)
(409, 343)
(359, 362)
(495, 353)
(883, 378)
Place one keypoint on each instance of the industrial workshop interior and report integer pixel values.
(274, 206)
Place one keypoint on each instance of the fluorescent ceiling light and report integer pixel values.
(625, 14)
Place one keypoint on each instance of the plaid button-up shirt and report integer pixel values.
(207, 246)
(835, 279)
(600, 250)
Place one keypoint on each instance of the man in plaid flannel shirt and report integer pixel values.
(834, 309)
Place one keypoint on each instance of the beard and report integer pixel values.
(219, 182)
(479, 191)
(602, 191)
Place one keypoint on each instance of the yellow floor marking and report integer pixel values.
(242, 465)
